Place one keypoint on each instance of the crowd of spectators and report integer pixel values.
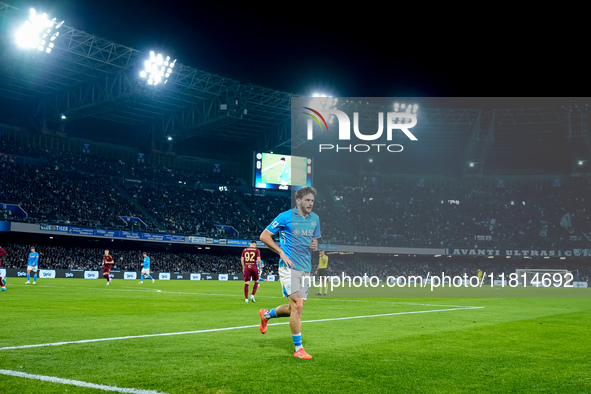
(384, 266)
(51, 194)
(470, 266)
(182, 209)
(88, 162)
(73, 257)
(86, 258)
(548, 218)
(266, 207)
(88, 191)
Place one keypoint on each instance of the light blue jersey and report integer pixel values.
(33, 259)
(146, 262)
(296, 233)
(284, 176)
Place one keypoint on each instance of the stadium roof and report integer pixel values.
(94, 82)
(514, 135)
(87, 77)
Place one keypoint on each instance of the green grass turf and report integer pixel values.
(510, 345)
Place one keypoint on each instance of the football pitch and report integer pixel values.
(80, 336)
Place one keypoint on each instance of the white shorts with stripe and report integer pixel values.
(294, 283)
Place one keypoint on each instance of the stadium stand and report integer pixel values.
(71, 257)
(60, 187)
(84, 258)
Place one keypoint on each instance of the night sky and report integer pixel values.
(346, 50)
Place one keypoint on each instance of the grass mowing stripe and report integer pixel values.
(144, 290)
(514, 344)
(230, 328)
(78, 383)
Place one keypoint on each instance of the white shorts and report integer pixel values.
(294, 281)
(145, 271)
(31, 268)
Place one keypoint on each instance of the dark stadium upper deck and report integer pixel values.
(89, 86)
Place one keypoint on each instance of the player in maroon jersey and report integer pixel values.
(249, 258)
(107, 265)
(2, 280)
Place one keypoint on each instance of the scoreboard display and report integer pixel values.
(281, 172)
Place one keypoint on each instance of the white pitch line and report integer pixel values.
(229, 328)
(78, 383)
(271, 166)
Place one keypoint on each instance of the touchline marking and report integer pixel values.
(231, 328)
(78, 383)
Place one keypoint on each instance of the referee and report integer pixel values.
(323, 272)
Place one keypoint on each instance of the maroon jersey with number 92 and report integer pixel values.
(250, 256)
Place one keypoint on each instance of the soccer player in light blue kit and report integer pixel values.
(32, 265)
(260, 266)
(2, 280)
(299, 229)
(284, 176)
(146, 268)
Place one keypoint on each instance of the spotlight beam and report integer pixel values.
(157, 69)
(38, 32)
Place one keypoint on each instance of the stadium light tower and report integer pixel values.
(408, 108)
(157, 69)
(38, 32)
(323, 101)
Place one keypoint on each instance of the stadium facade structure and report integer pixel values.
(89, 84)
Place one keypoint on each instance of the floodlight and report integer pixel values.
(38, 32)
(157, 69)
(409, 108)
(326, 101)
(323, 101)
(406, 113)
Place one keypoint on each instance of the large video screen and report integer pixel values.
(282, 172)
